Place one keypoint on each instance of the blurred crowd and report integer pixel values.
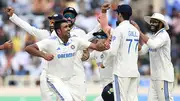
(35, 12)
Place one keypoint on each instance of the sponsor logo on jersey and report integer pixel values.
(66, 55)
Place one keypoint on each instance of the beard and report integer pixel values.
(117, 23)
(70, 23)
(154, 29)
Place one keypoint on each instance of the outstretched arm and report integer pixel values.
(38, 33)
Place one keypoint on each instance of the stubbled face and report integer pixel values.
(154, 25)
(71, 18)
(51, 25)
(64, 31)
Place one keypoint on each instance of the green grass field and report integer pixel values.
(33, 98)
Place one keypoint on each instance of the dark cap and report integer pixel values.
(56, 24)
(107, 93)
(70, 9)
(124, 9)
(100, 35)
(56, 17)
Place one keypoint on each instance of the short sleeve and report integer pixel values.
(43, 44)
(82, 44)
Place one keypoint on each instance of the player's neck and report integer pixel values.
(64, 40)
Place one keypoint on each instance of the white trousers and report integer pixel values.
(60, 89)
(125, 88)
(46, 94)
(160, 90)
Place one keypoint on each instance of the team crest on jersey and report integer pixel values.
(102, 56)
(72, 46)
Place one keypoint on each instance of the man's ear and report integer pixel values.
(161, 25)
(58, 31)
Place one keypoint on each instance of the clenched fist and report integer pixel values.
(48, 57)
(85, 55)
(105, 7)
(8, 45)
(9, 11)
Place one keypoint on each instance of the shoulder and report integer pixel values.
(78, 32)
(163, 33)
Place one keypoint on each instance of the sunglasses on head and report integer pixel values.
(100, 37)
(72, 16)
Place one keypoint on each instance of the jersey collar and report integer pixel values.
(162, 29)
(125, 21)
(61, 42)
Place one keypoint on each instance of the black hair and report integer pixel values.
(57, 24)
(125, 16)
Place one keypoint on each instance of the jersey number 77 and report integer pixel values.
(132, 41)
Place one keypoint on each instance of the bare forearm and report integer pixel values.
(144, 37)
(34, 51)
(104, 23)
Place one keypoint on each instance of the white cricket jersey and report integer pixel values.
(107, 60)
(62, 66)
(159, 47)
(79, 68)
(106, 73)
(38, 33)
(124, 48)
(96, 55)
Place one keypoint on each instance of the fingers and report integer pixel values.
(50, 57)
(10, 41)
(9, 11)
(106, 4)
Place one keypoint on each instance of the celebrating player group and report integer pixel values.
(64, 47)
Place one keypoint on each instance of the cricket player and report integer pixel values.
(60, 52)
(6, 45)
(159, 48)
(104, 63)
(124, 48)
(39, 34)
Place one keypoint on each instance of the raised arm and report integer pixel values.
(103, 19)
(38, 33)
